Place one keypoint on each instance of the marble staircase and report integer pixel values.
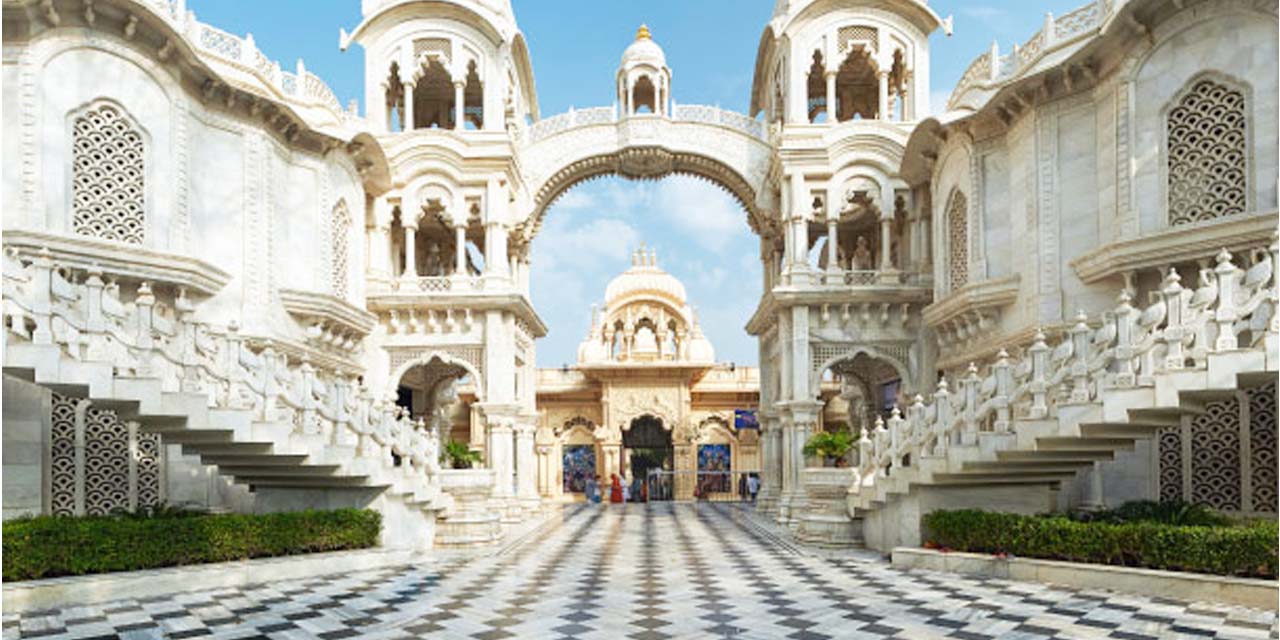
(1036, 422)
(299, 436)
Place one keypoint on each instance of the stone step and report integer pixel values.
(1061, 455)
(277, 471)
(1001, 477)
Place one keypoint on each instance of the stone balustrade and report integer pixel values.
(991, 69)
(152, 333)
(702, 114)
(1231, 308)
(300, 87)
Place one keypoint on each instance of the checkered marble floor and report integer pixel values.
(648, 572)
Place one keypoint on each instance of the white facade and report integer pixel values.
(224, 227)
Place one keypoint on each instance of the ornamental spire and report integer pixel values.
(643, 33)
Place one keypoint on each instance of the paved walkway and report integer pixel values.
(642, 572)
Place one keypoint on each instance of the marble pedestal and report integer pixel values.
(824, 519)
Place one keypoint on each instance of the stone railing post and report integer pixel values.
(1273, 327)
(270, 388)
(916, 427)
(185, 312)
(1039, 351)
(866, 450)
(882, 445)
(1225, 316)
(970, 384)
(1004, 392)
(231, 365)
(95, 324)
(146, 302)
(42, 297)
(307, 398)
(1125, 322)
(941, 418)
(1080, 358)
(896, 439)
(1174, 357)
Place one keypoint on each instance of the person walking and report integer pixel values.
(753, 486)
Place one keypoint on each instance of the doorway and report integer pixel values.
(650, 448)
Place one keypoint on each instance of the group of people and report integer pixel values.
(626, 489)
(621, 489)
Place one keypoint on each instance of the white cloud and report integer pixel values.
(938, 102)
(577, 199)
(707, 213)
(589, 246)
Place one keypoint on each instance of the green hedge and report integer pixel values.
(48, 546)
(1249, 551)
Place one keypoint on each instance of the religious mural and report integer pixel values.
(579, 466)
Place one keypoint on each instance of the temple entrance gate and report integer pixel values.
(647, 448)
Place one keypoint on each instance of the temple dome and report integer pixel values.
(644, 51)
(645, 276)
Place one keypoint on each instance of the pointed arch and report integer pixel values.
(957, 221)
(108, 174)
(340, 248)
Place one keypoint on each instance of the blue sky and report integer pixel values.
(699, 232)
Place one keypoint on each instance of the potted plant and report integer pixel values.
(831, 446)
(459, 456)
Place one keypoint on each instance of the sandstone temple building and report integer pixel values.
(223, 288)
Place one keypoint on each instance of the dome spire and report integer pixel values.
(643, 33)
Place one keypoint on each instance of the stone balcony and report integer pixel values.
(845, 293)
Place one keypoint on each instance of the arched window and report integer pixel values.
(857, 88)
(433, 97)
(817, 85)
(341, 243)
(643, 95)
(108, 176)
(473, 98)
(958, 240)
(1206, 155)
(395, 100)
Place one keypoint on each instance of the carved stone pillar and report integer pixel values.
(831, 98)
(526, 467)
(407, 124)
(459, 106)
(883, 111)
(460, 250)
(833, 255)
(410, 248)
(886, 242)
(500, 458)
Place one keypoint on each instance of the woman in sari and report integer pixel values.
(615, 491)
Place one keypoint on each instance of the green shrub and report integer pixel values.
(1174, 512)
(460, 456)
(48, 546)
(1249, 551)
(829, 444)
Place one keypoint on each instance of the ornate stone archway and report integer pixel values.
(723, 147)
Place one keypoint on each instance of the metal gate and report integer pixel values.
(700, 486)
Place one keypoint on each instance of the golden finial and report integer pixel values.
(643, 33)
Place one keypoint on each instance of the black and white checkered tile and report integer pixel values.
(648, 573)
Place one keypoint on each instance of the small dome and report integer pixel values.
(644, 51)
(645, 276)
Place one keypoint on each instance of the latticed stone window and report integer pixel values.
(958, 240)
(1224, 458)
(108, 197)
(1206, 134)
(98, 463)
(859, 33)
(341, 249)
